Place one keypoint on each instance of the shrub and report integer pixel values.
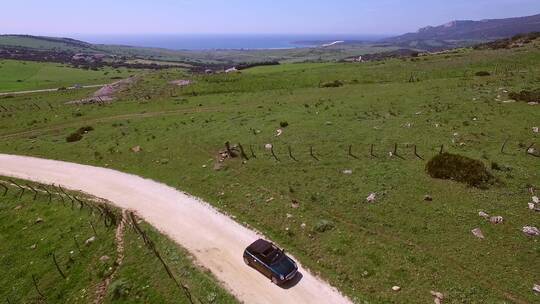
(459, 168)
(78, 135)
(120, 289)
(526, 96)
(284, 124)
(73, 137)
(483, 73)
(331, 84)
(323, 226)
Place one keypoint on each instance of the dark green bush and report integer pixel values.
(460, 169)
(323, 226)
(73, 137)
(331, 84)
(483, 73)
(284, 124)
(526, 96)
(78, 135)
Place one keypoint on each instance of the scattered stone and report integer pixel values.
(532, 206)
(496, 220)
(289, 215)
(347, 171)
(531, 231)
(39, 220)
(269, 200)
(33, 246)
(136, 149)
(90, 240)
(483, 214)
(396, 288)
(478, 233)
(104, 258)
(279, 132)
(204, 166)
(268, 146)
(303, 226)
(371, 198)
(536, 200)
(428, 198)
(438, 297)
(295, 204)
(19, 207)
(536, 288)
(535, 129)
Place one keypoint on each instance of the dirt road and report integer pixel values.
(51, 90)
(215, 240)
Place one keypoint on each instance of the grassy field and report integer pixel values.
(401, 239)
(26, 75)
(33, 230)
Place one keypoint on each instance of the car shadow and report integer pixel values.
(293, 282)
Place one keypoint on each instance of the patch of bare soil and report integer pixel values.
(106, 93)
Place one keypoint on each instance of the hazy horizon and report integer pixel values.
(279, 17)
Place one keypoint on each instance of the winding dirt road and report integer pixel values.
(52, 90)
(214, 239)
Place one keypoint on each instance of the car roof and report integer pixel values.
(259, 246)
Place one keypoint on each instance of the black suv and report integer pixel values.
(271, 261)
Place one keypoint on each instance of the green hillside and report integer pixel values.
(347, 131)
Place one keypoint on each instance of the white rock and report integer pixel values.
(531, 151)
(438, 297)
(279, 132)
(478, 233)
(536, 200)
(268, 146)
(347, 171)
(535, 129)
(531, 231)
(496, 219)
(536, 288)
(371, 198)
(303, 226)
(531, 206)
(396, 288)
(90, 240)
(483, 214)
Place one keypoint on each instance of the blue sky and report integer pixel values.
(247, 16)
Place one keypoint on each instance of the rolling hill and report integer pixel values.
(467, 31)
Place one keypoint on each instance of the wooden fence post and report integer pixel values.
(504, 145)
(252, 152)
(312, 154)
(291, 155)
(5, 189)
(273, 153)
(416, 153)
(371, 153)
(22, 188)
(242, 152)
(58, 266)
(37, 288)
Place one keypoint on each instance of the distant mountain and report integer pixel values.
(484, 30)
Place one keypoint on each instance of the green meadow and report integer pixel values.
(26, 75)
(38, 230)
(310, 196)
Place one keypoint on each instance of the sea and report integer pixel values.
(224, 41)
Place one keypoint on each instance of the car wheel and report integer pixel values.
(275, 280)
(246, 260)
